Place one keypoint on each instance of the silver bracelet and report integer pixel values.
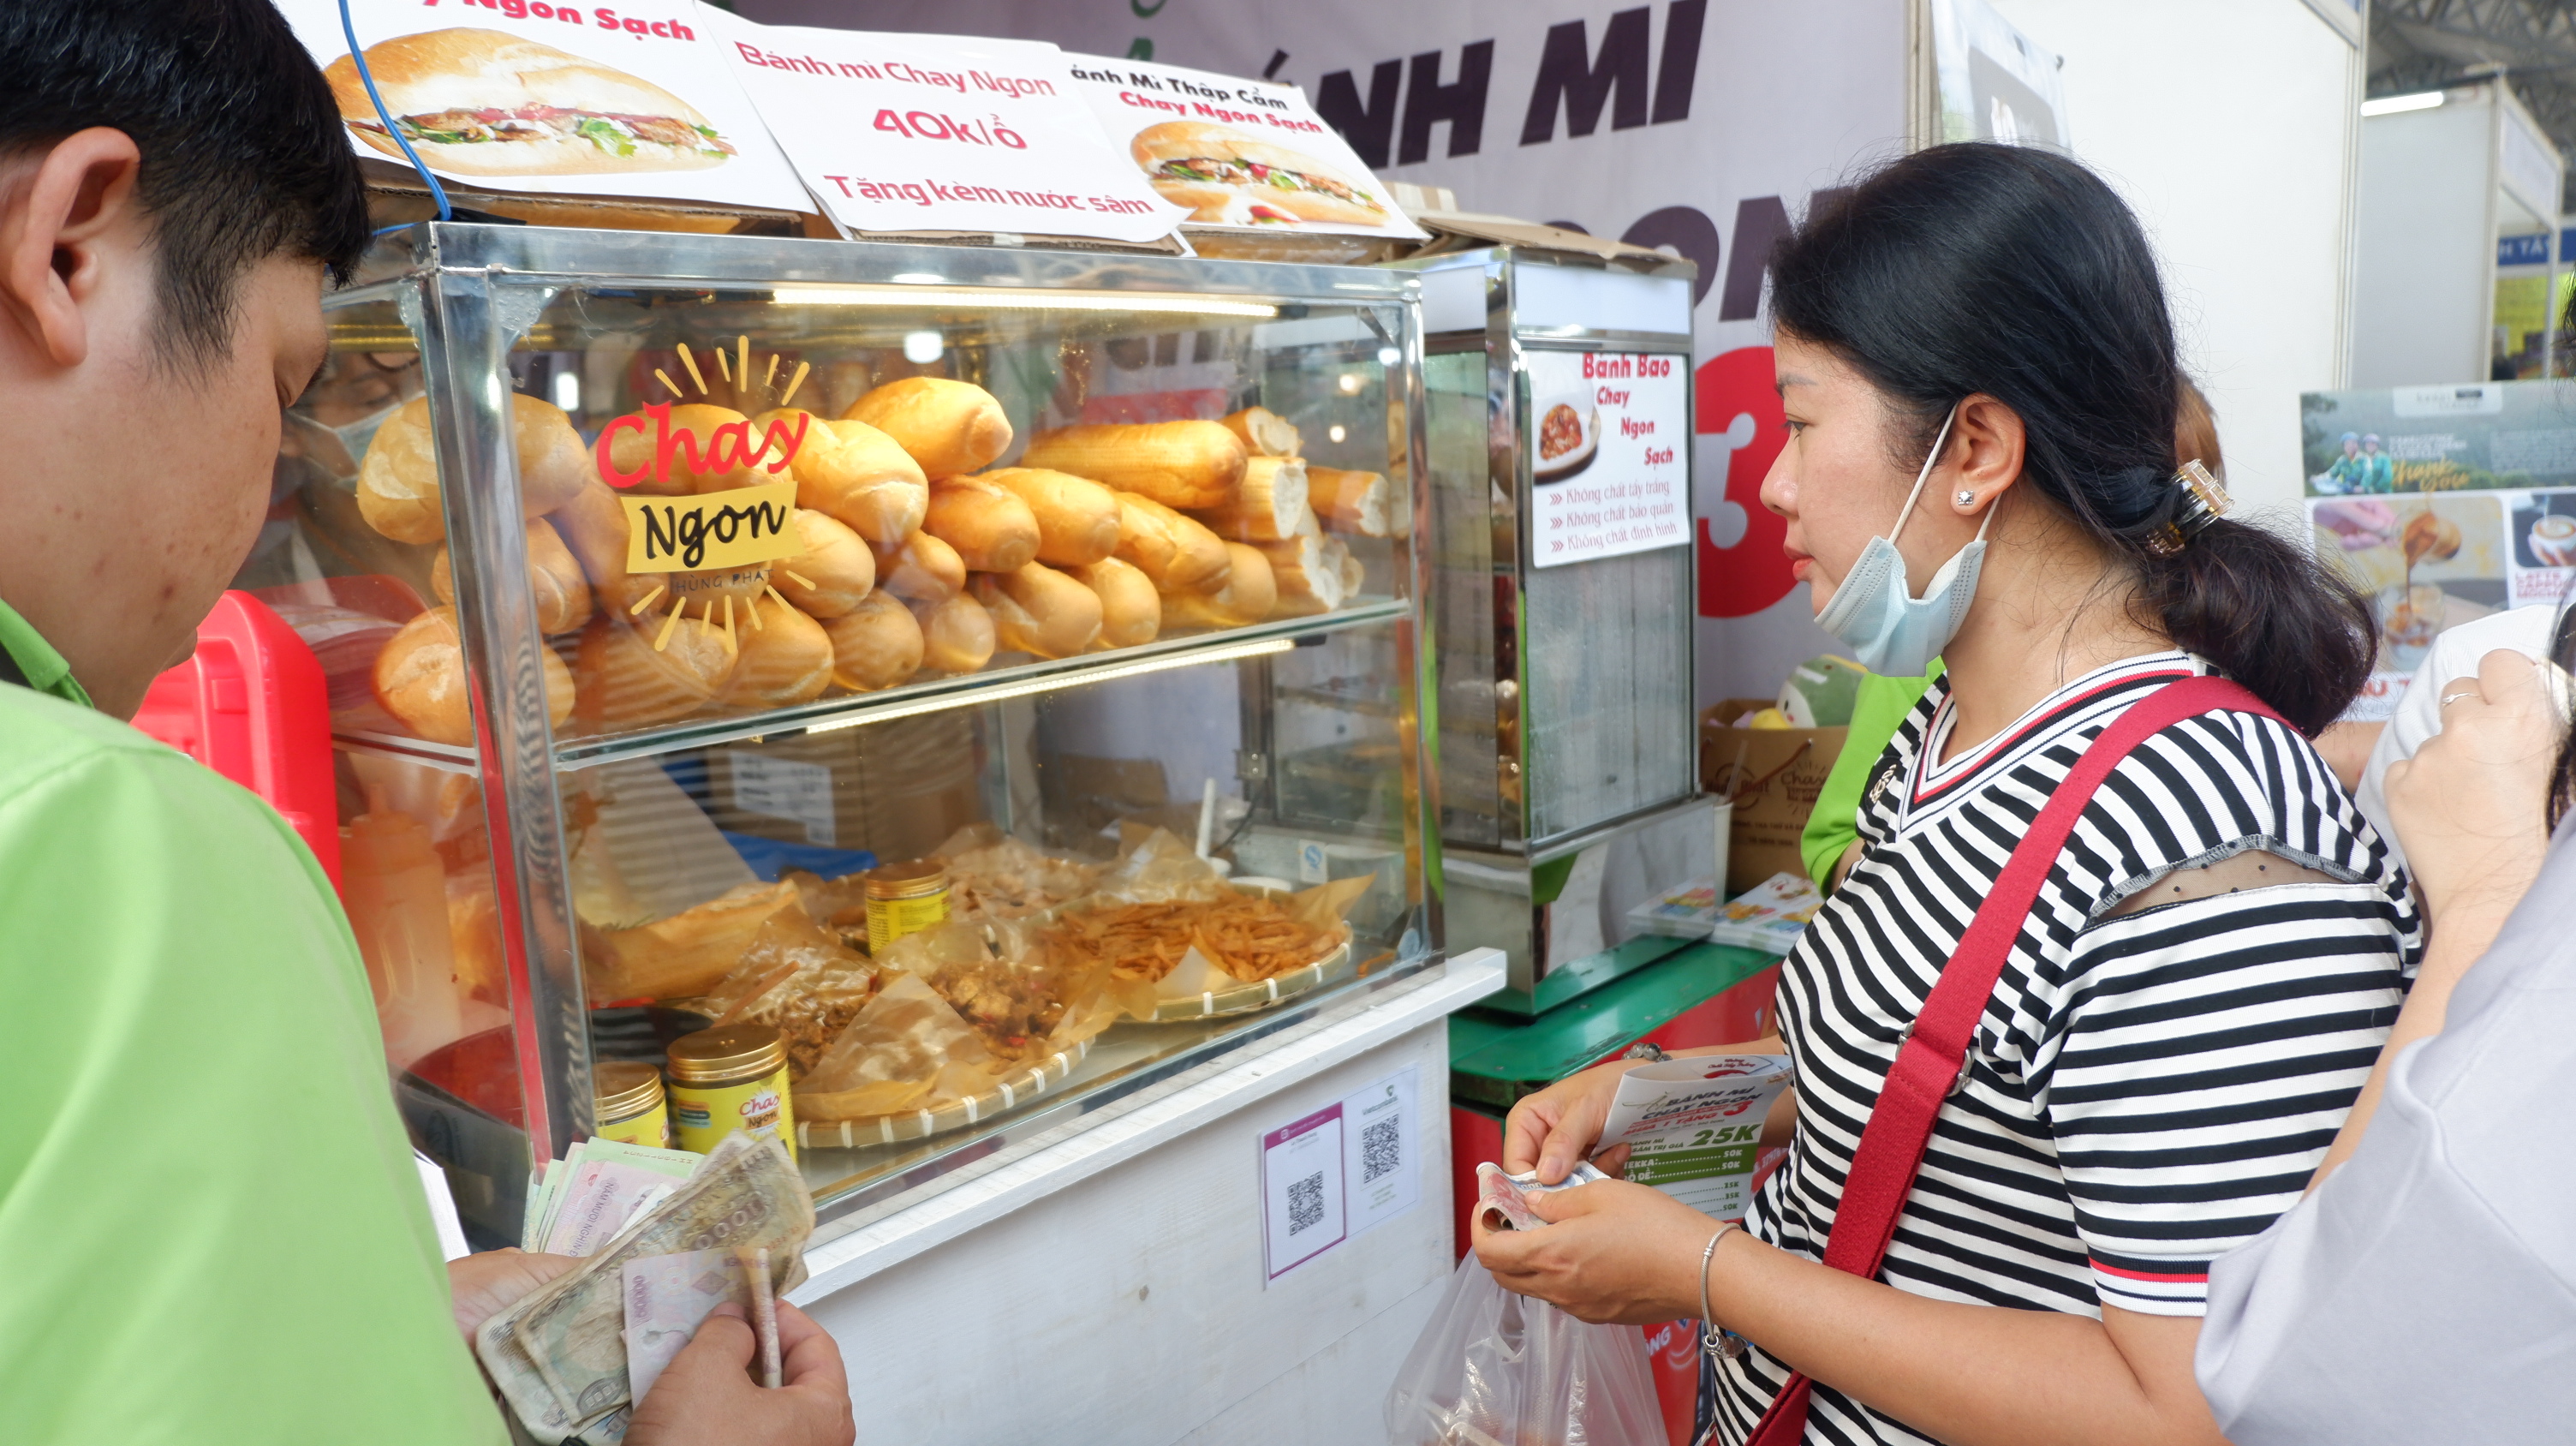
(1721, 1345)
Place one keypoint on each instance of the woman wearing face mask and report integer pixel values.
(2118, 951)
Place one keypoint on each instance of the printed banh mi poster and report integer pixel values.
(627, 100)
(942, 133)
(1243, 154)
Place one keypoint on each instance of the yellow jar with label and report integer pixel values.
(905, 898)
(627, 1102)
(728, 1080)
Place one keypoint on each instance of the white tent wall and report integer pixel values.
(2232, 126)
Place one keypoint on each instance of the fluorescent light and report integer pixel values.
(568, 390)
(921, 348)
(2392, 104)
(919, 278)
(997, 299)
(968, 698)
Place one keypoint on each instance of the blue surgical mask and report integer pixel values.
(1889, 632)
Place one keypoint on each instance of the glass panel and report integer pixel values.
(1478, 777)
(1608, 725)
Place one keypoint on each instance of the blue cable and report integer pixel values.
(358, 57)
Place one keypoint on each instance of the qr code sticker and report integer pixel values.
(1381, 1153)
(1306, 1203)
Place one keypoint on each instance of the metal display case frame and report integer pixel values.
(470, 292)
(1506, 303)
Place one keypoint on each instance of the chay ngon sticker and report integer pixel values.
(660, 453)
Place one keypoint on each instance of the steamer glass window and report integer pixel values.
(729, 706)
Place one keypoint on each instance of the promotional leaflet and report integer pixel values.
(630, 100)
(1693, 1127)
(1238, 154)
(1606, 432)
(941, 133)
(2443, 504)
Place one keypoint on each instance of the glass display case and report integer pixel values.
(1559, 410)
(992, 672)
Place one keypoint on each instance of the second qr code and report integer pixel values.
(1381, 1150)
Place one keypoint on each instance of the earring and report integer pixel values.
(1967, 498)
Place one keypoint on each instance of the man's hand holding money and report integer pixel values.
(709, 1393)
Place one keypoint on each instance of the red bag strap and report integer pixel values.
(1931, 1061)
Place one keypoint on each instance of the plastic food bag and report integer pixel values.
(1497, 1369)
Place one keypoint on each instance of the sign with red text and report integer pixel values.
(913, 133)
(1605, 434)
(1243, 154)
(630, 100)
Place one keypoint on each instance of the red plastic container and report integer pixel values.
(252, 705)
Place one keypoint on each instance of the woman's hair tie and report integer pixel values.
(2204, 501)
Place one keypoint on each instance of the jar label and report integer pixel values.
(708, 1113)
(891, 919)
(651, 1128)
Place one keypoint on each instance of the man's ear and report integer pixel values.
(54, 216)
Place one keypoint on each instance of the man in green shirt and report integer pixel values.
(211, 1228)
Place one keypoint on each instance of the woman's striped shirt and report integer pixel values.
(2145, 1091)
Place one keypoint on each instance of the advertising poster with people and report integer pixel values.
(2444, 504)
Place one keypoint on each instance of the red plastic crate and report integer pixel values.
(252, 706)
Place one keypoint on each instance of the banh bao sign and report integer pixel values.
(1606, 431)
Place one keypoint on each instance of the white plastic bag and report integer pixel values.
(1497, 1369)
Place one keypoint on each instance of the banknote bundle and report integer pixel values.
(560, 1354)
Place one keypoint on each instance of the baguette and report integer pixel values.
(856, 473)
(1355, 502)
(1250, 594)
(1173, 549)
(1354, 572)
(924, 570)
(1077, 517)
(956, 634)
(631, 451)
(951, 428)
(1179, 464)
(837, 568)
(786, 658)
(626, 683)
(1040, 611)
(992, 530)
(561, 593)
(398, 489)
(874, 645)
(419, 677)
(1307, 575)
(1264, 433)
(1270, 506)
(1131, 612)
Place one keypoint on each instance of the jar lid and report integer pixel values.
(744, 1050)
(907, 877)
(623, 1087)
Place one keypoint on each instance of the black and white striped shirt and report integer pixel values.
(2145, 1091)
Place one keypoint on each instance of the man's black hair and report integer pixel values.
(243, 153)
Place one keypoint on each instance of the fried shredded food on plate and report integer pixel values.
(1249, 937)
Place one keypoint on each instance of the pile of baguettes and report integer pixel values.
(914, 560)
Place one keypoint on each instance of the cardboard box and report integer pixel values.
(1773, 776)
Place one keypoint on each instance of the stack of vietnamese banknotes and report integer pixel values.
(667, 1237)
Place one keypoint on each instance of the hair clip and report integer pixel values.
(2205, 500)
